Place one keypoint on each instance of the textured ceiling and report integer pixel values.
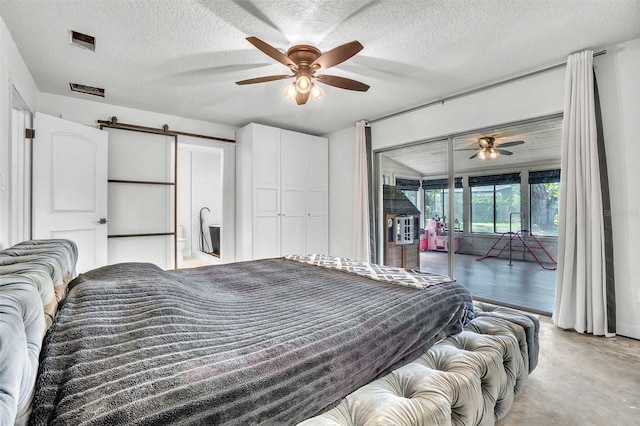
(182, 57)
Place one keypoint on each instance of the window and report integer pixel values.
(457, 207)
(544, 195)
(436, 201)
(409, 188)
(495, 203)
(412, 195)
(433, 204)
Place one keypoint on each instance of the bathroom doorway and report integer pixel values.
(203, 215)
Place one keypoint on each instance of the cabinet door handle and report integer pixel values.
(102, 221)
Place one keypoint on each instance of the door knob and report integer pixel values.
(102, 221)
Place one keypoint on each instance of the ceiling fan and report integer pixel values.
(488, 148)
(304, 61)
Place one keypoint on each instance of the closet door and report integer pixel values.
(293, 164)
(266, 183)
(317, 195)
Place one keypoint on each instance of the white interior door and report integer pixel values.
(20, 167)
(70, 187)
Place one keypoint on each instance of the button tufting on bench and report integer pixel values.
(33, 279)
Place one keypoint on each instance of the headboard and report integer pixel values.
(33, 281)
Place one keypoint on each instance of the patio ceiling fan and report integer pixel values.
(304, 61)
(487, 148)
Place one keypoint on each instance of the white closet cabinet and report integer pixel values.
(281, 193)
(317, 195)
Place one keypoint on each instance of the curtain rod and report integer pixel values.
(479, 89)
(113, 123)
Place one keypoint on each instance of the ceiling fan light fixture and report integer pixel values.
(482, 155)
(290, 91)
(484, 142)
(493, 153)
(304, 61)
(316, 92)
(303, 83)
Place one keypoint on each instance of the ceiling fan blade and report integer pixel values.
(466, 149)
(342, 82)
(503, 151)
(505, 144)
(302, 98)
(337, 55)
(271, 51)
(263, 79)
(474, 155)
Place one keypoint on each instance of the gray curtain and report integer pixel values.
(372, 207)
(362, 209)
(606, 206)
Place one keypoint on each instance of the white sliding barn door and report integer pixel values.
(70, 187)
(141, 193)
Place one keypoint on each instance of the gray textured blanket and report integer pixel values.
(261, 342)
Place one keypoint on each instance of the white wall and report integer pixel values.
(533, 97)
(88, 111)
(618, 75)
(184, 198)
(12, 71)
(536, 96)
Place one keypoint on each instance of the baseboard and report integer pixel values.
(628, 330)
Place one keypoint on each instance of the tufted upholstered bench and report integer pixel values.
(33, 280)
(467, 379)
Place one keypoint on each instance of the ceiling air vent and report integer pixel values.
(83, 40)
(89, 90)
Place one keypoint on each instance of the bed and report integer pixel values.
(273, 341)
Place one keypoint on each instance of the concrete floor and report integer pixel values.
(580, 380)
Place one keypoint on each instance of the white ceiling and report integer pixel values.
(182, 57)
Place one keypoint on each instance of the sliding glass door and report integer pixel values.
(488, 203)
